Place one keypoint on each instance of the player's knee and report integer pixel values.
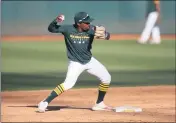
(107, 78)
(68, 85)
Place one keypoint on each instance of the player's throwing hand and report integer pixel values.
(60, 18)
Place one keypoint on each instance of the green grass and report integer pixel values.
(43, 65)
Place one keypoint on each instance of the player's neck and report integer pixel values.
(78, 28)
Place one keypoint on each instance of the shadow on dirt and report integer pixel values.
(52, 108)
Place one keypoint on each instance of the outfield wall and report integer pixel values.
(33, 17)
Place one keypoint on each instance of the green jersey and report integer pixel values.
(151, 6)
(78, 44)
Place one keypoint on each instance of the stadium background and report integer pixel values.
(33, 17)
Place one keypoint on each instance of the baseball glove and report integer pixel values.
(100, 33)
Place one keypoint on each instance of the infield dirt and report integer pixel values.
(157, 102)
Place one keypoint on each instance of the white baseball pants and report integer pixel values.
(93, 67)
(151, 28)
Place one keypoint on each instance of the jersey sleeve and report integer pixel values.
(55, 28)
(92, 30)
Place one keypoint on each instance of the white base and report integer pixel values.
(127, 109)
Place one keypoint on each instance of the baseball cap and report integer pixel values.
(82, 17)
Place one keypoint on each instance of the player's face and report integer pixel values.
(84, 26)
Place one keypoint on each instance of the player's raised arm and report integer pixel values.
(54, 27)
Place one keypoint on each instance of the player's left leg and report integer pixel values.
(95, 68)
(156, 39)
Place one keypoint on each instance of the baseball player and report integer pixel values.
(78, 39)
(151, 25)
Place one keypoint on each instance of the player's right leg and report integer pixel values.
(150, 23)
(97, 69)
(74, 70)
